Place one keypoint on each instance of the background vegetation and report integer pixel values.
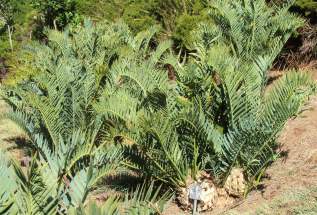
(176, 18)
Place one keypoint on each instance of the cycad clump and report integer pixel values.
(71, 153)
(218, 116)
(105, 101)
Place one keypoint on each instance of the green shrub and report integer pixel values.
(56, 13)
(175, 17)
(308, 6)
(21, 22)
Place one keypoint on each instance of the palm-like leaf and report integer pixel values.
(144, 200)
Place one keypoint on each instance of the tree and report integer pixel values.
(8, 9)
(56, 13)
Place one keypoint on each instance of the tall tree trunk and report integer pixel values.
(10, 37)
(55, 25)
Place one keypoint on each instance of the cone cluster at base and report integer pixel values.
(213, 196)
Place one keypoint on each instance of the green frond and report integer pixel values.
(144, 200)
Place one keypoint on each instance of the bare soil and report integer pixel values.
(11, 136)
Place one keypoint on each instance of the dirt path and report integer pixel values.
(10, 135)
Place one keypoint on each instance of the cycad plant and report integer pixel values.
(250, 28)
(217, 124)
(71, 152)
(57, 179)
(145, 199)
(39, 190)
(210, 118)
(54, 108)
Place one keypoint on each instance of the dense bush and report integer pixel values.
(17, 27)
(307, 6)
(15, 16)
(56, 13)
(176, 17)
(301, 49)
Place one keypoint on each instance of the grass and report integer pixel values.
(301, 201)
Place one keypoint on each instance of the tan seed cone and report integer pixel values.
(236, 184)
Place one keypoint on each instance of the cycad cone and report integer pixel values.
(213, 196)
(235, 184)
